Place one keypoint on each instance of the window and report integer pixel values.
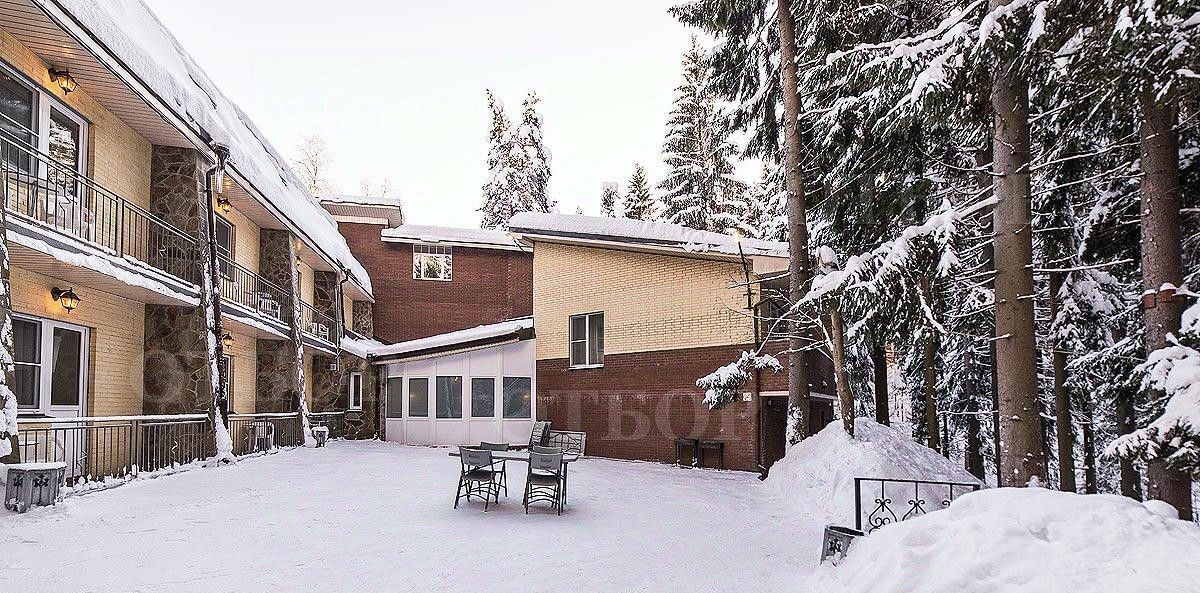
(587, 340)
(418, 398)
(223, 231)
(483, 397)
(356, 396)
(50, 360)
(395, 399)
(432, 262)
(449, 397)
(36, 119)
(228, 378)
(518, 395)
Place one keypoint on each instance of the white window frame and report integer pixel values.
(43, 100)
(423, 250)
(351, 405)
(46, 329)
(587, 332)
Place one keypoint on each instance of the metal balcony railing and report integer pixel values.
(240, 285)
(38, 187)
(317, 324)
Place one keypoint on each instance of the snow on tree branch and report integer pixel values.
(721, 387)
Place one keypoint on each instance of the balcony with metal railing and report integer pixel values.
(38, 188)
(318, 325)
(242, 287)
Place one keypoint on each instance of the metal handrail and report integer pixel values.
(37, 187)
(241, 286)
(884, 511)
(317, 324)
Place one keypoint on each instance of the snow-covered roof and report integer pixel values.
(135, 36)
(376, 201)
(483, 238)
(515, 328)
(638, 232)
(360, 347)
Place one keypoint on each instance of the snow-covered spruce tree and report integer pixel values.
(639, 203)
(528, 139)
(499, 191)
(699, 189)
(610, 197)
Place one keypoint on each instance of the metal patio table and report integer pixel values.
(523, 456)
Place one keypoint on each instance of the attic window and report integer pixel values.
(433, 262)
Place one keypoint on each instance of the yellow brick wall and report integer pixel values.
(117, 338)
(650, 302)
(307, 286)
(118, 157)
(245, 239)
(245, 373)
(348, 312)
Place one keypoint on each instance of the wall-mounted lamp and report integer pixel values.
(67, 298)
(223, 204)
(64, 80)
(226, 341)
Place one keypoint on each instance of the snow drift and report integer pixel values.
(817, 475)
(1026, 540)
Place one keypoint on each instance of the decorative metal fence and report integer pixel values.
(317, 324)
(115, 446)
(570, 442)
(888, 501)
(39, 187)
(334, 421)
(241, 286)
(254, 433)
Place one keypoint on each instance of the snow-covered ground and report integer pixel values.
(372, 516)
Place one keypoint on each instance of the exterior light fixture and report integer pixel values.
(64, 80)
(223, 204)
(226, 341)
(67, 298)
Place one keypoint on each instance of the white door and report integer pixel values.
(50, 381)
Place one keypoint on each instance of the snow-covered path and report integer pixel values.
(372, 516)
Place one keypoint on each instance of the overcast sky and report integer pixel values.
(397, 88)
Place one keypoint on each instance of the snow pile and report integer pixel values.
(1025, 540)
(817, 475)
(134, 35)
(641, 231)
(418, 233)
(462, 336)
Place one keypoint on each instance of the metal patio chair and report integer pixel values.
(478, 476)
(540, 433)
(544, 482)
(503, 463)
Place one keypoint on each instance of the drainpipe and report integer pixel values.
(343, 277)
(758, 434)
(214, 280)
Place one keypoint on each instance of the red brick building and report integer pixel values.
(433, 280)
(628, 314)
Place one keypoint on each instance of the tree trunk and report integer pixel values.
(9, 451)
(1162, 265)
(1062, 399)
(984, 179)
(210, 302)
(1089, 451)
(974, 452)
(879, 360)
(1020, 447)
(929, 376)
(798, 264)
(841, 378)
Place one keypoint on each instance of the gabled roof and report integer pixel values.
(139, 42)
(520, 328)
(532, 226)
(481, 238)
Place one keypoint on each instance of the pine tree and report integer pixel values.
(609, 197)
(499, 197)
(699, 189)
(518, 165)
(536, 155)
(639, 203)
